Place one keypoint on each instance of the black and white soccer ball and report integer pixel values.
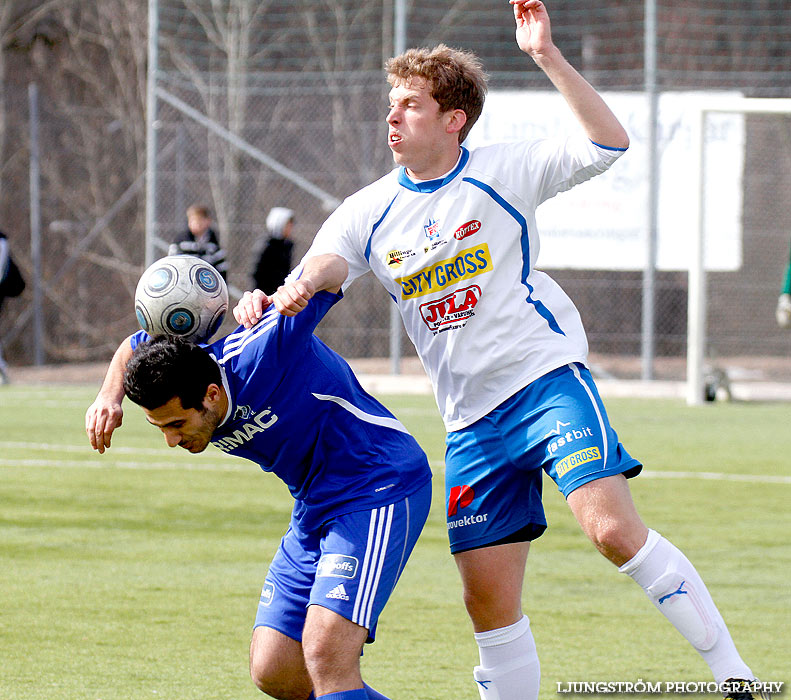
(183, 296)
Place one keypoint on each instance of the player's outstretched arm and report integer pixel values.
(105, 414)
(321, 272)
(534, 37)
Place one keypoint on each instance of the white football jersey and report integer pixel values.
(457, 256)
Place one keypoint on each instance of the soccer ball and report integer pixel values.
(183, 296)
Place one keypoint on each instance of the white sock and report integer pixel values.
(675, 588)
(509, 667)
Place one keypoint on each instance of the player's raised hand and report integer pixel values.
(250, 308)
(101, 419)
(533, 33)
(294, 296)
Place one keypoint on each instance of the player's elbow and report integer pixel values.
(616, 141)
(336, 271)
(623, 141)
(614, 137)
(340, 269)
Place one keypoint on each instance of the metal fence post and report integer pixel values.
(151, 129)
(35, 226)
(649, 273)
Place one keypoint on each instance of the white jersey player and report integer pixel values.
(452, 236)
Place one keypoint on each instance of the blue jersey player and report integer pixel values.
(275, 394)
(452, 236)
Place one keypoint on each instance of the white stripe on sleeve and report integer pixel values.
(384, 421)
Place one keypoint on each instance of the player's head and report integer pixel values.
(280, 221)
(455, 78)
(179, 387)
(198, 219)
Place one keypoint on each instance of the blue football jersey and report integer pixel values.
(297, 410)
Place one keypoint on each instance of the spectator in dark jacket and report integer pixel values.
(274, 261)
(200, 240)
(11, 285)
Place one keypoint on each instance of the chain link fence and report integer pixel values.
(291, 100)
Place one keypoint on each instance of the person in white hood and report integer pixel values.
(273, 262)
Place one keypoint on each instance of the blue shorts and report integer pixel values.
(350, 566)
(493, 467)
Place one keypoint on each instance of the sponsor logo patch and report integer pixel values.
(242, 413)
(565, 436)
(465, 265)
(467, 520)
(395, 258)
(337, 565)
(451, 311)
(267, 593)
(247, 431)
(434, 245)
(467, 229)
(459, 497)
(589, 454)
(432, 229)
(338, 593)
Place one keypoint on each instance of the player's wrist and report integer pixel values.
(112, 393)
(548, 57)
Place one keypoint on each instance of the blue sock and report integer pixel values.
(358, 694)
(374, 695)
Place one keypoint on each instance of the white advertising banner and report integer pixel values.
(603, 223)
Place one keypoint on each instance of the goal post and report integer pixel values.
(696, 304)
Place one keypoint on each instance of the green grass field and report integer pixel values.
(136, 574)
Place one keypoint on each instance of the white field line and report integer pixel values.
(81, 448)
(108, 461)
(718, 476)
(141, 466)
(710, 476)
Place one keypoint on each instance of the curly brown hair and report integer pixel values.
(456, 78)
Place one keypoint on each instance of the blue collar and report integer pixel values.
(433, 185)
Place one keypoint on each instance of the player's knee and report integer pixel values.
(613, 540)
(260, 673)
(271, 678)
(491, 607)
(477, 600)
(275, 685)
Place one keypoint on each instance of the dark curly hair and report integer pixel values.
(163, 368)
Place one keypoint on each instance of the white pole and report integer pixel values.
(696, 296)
(652, 176)
(151, 130)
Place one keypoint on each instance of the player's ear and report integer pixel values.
(456, 121)
(213, 394)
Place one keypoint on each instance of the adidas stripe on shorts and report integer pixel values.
(350, 566)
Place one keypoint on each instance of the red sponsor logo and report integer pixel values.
(452, 310)
(459, 497)
(467, 229)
